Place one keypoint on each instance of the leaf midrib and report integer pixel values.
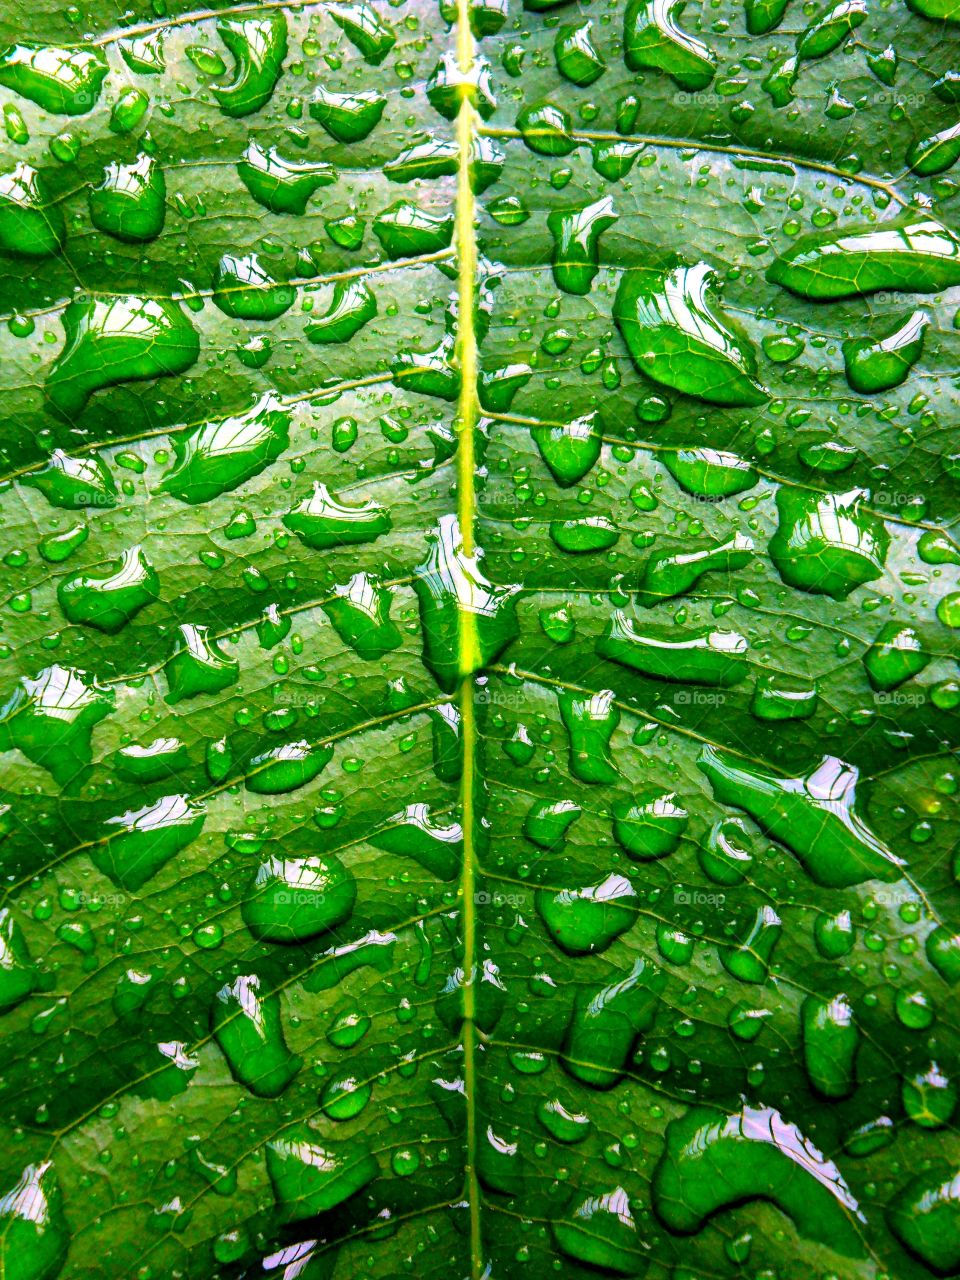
(467, 414)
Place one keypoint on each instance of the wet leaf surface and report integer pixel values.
(478, 687)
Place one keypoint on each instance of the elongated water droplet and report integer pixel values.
(605, 1022)
(244, 289)
(588, 919)
(246, 1023)
(360, 613)
(590, 721)
(362, 26)
(285, 768)
(600, 1231)
(347, 117)
(576, 237)
(311, 1175)
(352, 305)
(548, 822)
(159, 759)
(198, 665)
(827, 543)
(698, 656)
(405, 230)
(30, 226)
(652, 39)
(138, 843)
(897, 654)
(880, 364)
(814, 815)
(108, 601)
(709, 473)
(651, 825)
(219, 456)
(925, 1214)
(18, 976)
(415, 833)
(830, 28)
(322, 522)
(61, 81)
(281, 185)
(569, 450)
(450, 583)
(712, 1161)
(74, 483)
(749, 958)
(830, 1043)
(34, 1236)
(259, 46)
(667, 575)
(914, 255)
(130, 202)
(119, 339)
(576, 56)
(678, 337)
(50, 718)
(561, 1123)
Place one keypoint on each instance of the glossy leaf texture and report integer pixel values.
(478, 684)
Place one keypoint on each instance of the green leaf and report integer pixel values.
(478, 682)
